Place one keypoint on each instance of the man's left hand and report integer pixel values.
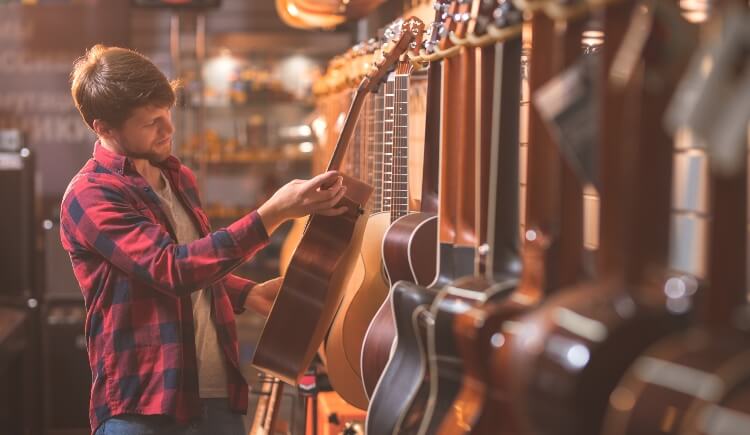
(262, 295)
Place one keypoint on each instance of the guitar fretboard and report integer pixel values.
(388, 131)
(377, 147)
(400, 184)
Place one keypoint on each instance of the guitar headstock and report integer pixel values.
(481, 15)
(399, 37)
(499, 14)
(436, 29)
(448, 26)
(462, 17)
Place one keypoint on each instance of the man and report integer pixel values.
(157, 283)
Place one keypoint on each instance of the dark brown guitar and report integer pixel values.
(496, 89)
(698, 381)
(563, 359)
(401, 382)
(312, 288)
(478, 408)
(410, 243)
(409, 378)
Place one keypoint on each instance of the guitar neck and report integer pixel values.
(388, 130)
(502, 202)
(400, 184)
(377, 147)
(347, 131)
(554, 195)
(431, 161)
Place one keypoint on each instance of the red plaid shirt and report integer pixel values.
(136, 282)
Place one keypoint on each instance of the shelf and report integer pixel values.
(254, 105)
(249, 157)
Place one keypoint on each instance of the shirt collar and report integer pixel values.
(120, 163)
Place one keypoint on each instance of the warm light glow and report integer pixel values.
(292, 9)
(306, 147)
(695, 11)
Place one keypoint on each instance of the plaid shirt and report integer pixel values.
(136, 282)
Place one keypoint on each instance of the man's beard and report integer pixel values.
(143, 155)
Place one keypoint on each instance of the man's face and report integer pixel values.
(146, 134)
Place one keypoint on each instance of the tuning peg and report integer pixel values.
(442, 32)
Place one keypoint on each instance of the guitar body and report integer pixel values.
(410, 254)
(591, 334)
(403, 379)
(477, 408)
(687, 384)
(364, 293)
(313, 287)
(445, 363)
(290, 243)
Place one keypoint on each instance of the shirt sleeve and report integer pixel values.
(238, 288)
(100, 218)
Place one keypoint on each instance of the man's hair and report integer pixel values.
(108, 83)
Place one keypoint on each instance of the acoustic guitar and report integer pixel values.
(698, 381)
(564, 359)
(367, 287)
(407, 381)
(460, 378)
(401, 316)
(409, 247)
(313, 285)
(490, 282)
(329, 108)
(482, 403)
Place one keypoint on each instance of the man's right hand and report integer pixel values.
(300, 198)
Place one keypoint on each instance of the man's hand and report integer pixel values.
(261, 296)
(300, 198)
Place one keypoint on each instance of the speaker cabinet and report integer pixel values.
(18, 225)
(67, 376)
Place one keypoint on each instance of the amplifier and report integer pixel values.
(18, 225)
(67, 376)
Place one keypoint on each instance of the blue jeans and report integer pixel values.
(217, 419)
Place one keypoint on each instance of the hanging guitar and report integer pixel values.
(409, 247)
(581, 340)
(696, 382)
(367, 288)
(403, 398)
(313, 285)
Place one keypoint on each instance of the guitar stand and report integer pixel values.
(308, 391)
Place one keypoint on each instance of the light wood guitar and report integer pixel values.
(313, 285)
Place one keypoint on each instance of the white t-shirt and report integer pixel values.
(212, 372)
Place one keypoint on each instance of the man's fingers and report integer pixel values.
(329, 204)
(316, 197)
(323, 180)
(333, 211)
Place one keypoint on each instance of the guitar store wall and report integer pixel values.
(44, 370)
(249, 120)
(685, 262)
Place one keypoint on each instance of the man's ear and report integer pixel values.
(102, 129)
